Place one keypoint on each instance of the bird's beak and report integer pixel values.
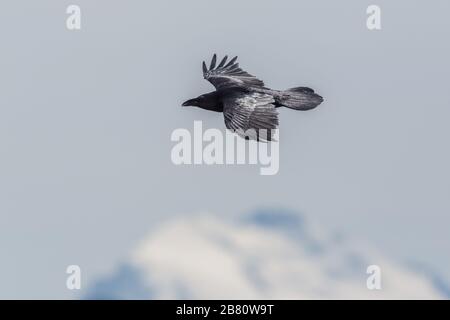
(188, 103)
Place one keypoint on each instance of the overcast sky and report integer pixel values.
(86, 118)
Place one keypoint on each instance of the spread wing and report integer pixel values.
(229, 74)
(248, 113)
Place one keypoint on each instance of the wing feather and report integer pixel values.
(229, 75)
(222, 63)
(249, 113)
(213, 62)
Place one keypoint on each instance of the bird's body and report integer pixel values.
(248, 106)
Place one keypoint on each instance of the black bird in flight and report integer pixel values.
(245, 101)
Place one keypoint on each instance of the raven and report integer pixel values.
(247, 104)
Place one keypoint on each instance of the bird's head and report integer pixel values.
(196, 102)
(207, 101)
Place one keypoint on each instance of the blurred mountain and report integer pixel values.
(268, 254)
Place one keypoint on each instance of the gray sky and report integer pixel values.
(86, 118)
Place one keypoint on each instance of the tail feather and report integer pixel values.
(300, 98)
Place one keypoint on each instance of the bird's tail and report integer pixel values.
(300, 98)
